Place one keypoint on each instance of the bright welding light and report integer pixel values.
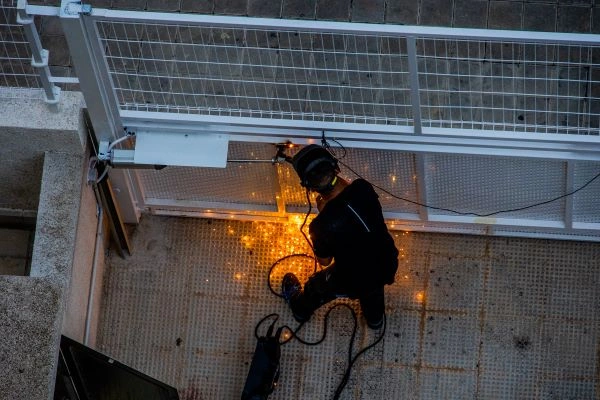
(420, 297)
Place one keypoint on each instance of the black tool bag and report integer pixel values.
(264, 370)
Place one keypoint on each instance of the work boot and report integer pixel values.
(376, 325)
(291, 289)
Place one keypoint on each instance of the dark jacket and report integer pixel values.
(351, 229)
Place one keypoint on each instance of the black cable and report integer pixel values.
(353, 360)
(263, 320)
(328, 147)
(294, 332)
(306, 219)
(277, 263)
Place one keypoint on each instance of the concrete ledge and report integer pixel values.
(57, 217)
(28, 129)
(32, 308)
(30, 323)
(53, 125)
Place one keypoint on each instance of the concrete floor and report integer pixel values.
(468, 317)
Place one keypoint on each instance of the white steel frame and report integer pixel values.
(109, 118)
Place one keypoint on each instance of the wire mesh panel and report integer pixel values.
(15, 55)
(390, 170)
(585, 201)
(246, 186)
(366, 78)
(485, 185)
(268, 73)
(509, 86)
(514, 195)
(394, 172)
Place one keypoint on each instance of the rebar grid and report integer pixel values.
(15, 55)
(354, 78)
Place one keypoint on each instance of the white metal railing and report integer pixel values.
(23, 61)
(15, 56)
(448, 102)
(353, 73)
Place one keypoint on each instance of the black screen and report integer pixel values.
(96, 376)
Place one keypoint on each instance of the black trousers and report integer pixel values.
(330, 284)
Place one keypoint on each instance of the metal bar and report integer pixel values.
(569, 187)
(44, 11)
(567, 147)
(532, 223)
(421, 182)
(64, 79)
(397, 221)
(209, 205)
(590, 226)
(119, 233)
(414, 84)
(39, 55)
(540, 233)
(98, 248)
(343, 27)
(307, 129)
(95, 83)
(239, 216)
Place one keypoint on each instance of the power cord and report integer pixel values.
(305, 220)
(294, 332)
(351, 358)
(279, 261)
(329, 148)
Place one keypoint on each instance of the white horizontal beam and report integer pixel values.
(45, 11)
(209, 206)
(342, 27)
(379, 137)
(592, 233)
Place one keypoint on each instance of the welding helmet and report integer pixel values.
(316, 167)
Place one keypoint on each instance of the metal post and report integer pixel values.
(570, 178)
(93, 76)
(39, 55)
(413, 70)
(97, 87)
(421, 183)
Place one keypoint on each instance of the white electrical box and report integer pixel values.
(186, 149)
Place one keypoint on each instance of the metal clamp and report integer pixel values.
(76, 8)
(44, 55)
(24, 19)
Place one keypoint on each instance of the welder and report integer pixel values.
(350, 240)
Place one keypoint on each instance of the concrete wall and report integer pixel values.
(31, 311)
(86, 257)
(43, 172)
